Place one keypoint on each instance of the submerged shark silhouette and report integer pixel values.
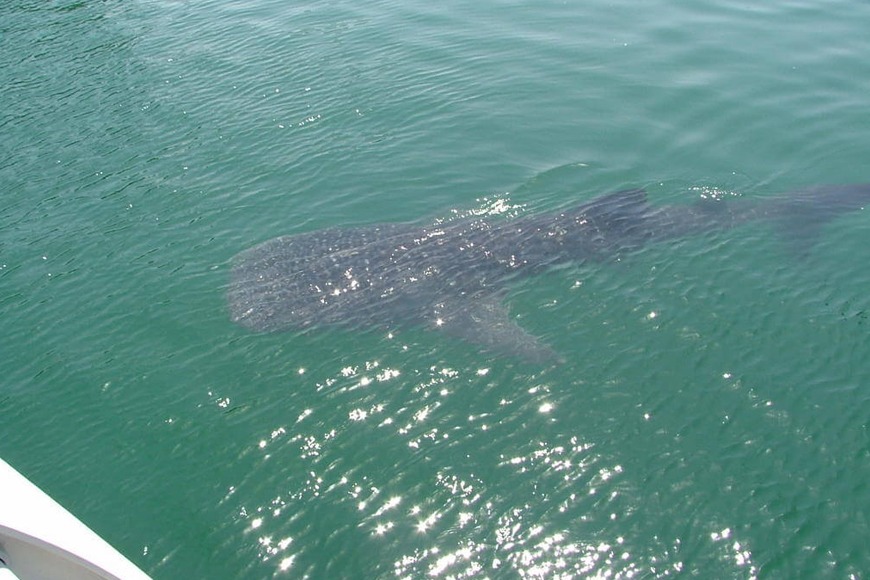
(453, 276)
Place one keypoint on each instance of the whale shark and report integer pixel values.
(452, 276)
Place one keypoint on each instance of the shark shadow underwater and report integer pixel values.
(452, 277)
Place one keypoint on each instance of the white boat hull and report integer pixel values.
(40, 540)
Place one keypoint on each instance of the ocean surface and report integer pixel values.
(711, 417)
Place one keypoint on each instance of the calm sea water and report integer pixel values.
(712, 417)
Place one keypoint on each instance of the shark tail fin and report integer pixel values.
(801, 215)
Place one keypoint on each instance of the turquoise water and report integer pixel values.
(711, 417)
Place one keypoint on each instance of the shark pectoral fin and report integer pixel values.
(486, 322)
(798, 242)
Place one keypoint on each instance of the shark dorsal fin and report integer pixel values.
(621, 211)
(616, 202)
(617, 206)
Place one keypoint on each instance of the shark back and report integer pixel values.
(325, 276)
(453, 276)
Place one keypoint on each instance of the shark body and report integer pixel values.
(453, 276)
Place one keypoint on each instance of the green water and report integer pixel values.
(712, 417)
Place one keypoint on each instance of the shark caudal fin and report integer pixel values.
(802, 214)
